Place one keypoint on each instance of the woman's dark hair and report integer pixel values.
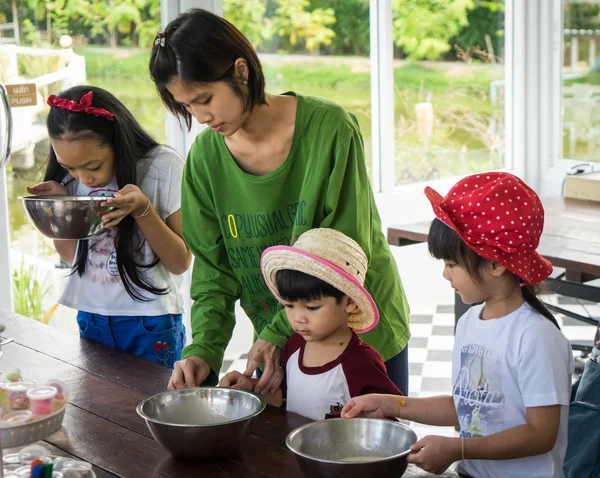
(445, 244)
(201, 47)
(129, 143)
(295, 285)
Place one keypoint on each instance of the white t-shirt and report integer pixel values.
(499, 368)
(321, 392)
(100, 289)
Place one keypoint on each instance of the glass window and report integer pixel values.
(316, 47)
(449, 88)
(56, 48)
(581, 80)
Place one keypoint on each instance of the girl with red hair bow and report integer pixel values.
(126, 282)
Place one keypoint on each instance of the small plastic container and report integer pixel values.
(13, 375)
(33, 452)
(16, 418)
(11, 459)
(17, 395)
(23, 471)
(77, 469)
(41, 400)
(62, 394)
(3, 395)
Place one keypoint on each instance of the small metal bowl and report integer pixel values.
(352, 448)
(201, 423)
(66, 217)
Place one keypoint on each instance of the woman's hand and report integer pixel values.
(269, 354)
(189, 372)
(435, 453)
(129, 200)
(370, 406)
(48, 188)
(237, 379)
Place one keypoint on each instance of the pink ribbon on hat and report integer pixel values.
(83, 106)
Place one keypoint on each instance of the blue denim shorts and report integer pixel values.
(159, 339)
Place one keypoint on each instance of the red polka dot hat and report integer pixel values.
(500, 218)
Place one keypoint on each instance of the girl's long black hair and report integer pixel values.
(129, 142)
(445, 244)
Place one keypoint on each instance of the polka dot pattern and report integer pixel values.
(500, 218)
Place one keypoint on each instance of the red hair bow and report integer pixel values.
(84, 106)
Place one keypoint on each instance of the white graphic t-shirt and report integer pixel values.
(500, 367)
(100, 289)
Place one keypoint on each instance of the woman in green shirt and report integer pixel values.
(268, 168)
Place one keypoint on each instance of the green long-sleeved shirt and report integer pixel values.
(230, 217)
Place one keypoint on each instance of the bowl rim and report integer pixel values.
(140, 406)
(338, 462)
(37, 422)
(65, 198)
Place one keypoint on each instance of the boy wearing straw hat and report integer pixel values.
(319, 281)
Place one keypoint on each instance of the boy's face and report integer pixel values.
(318, 319)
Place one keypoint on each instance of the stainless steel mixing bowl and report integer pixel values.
(66, 217)
(352, 448)
(203, 422)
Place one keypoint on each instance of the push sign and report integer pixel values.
(22, 95)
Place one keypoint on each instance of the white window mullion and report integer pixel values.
(382, 96)
(556, 69)
(554, 167)
(547, 88)
(6, 299)
(177, 135)
(509, 154)
(515, 93)
(534, 129)
(533, 91)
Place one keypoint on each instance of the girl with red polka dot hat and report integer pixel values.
(511, 365)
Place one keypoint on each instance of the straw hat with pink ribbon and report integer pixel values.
(332, 257)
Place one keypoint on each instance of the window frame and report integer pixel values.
(558, 165)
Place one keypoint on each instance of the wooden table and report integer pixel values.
(101, 425)
(571, 241)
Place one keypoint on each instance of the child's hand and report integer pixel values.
(129, 200)
(435, 453)
(370, 406)
(48, 188)
(237, 379)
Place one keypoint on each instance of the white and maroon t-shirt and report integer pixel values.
(321, 392)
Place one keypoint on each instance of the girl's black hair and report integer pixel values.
(129, 143)
(295, 285)
(445, 244)
(201, 47)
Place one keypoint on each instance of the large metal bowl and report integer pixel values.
(66, 217)
(352, 448)
(203, 422)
